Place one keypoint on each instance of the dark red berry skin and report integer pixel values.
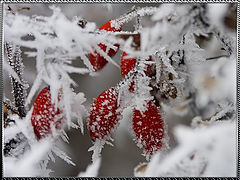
(148, 128)
(131, 87)
(107, 26)
(149, 67)
(127, 64)
(98, 61)
(44, 114)
(103, 115)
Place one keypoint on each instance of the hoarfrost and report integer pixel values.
(201, 152)
(92, 169)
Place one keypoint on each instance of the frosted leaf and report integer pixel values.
(11, 72)
(19, 88)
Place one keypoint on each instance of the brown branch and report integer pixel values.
(18, 10)
(7, 107)
(136, 39)
(216, 57)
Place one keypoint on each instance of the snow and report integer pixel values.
(209, 145)
(27, 166)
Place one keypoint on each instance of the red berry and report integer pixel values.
(131, 87)
(148, 128)
(98, 61)
(127, 64)
(44, 114)
(107, 26)
(149, 67)
(103, 115)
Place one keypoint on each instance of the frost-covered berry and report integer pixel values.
(45, 115)
(148, 128)
(127, 64)
(108, 27)
(103, 115)
(98, 61)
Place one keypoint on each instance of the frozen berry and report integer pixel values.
(98, 61)
(148, 128)
(45, 115)
(103, 115)
(108, 27)
(128, 64)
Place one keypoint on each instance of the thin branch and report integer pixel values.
(15, 61)
(216, 57)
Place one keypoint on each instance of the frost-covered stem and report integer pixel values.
(138, 23)
(136, 39)
(216, 57)
(202, 18)
(225, 41)
(15, 61)
(134, 13)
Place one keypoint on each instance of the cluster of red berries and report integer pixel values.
(104, 116)
(148, 126)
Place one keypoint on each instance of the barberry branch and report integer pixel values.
(19, 91)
